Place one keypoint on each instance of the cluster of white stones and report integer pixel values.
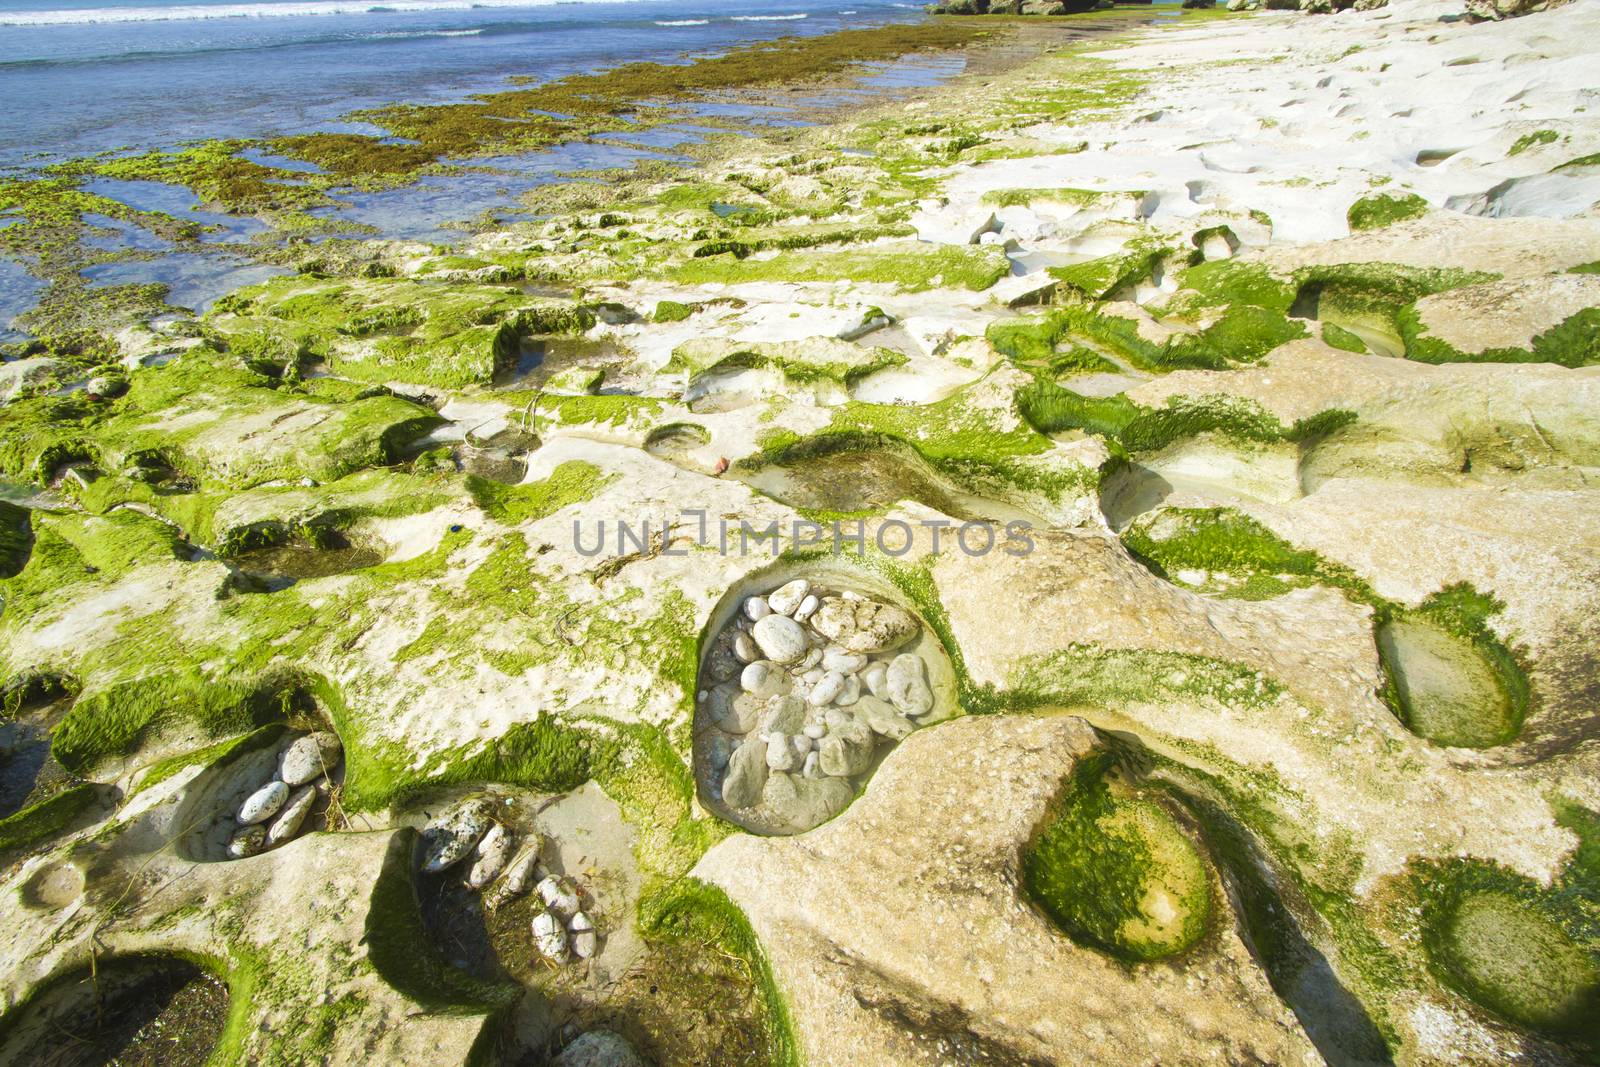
(805, 685)
(277, 811)
(561, 928)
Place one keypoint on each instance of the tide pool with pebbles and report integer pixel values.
(508, 867)
(277, 811)
(802, 693)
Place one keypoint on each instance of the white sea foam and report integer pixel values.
(285, 9)
(766, 18)
(682, 22)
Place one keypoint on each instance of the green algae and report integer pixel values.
(1240, 333)
(1385, 209)
(1449, 677)
(46, 818)
(386, 329)
(1100, 279)
(16, 539)
(216, 753)
(801, 362)
(1573, 342)
(981, 450)
(1240, 557)
(671, 311)
(1052, 408)
(691, 910)
(1338, 337)
(911, 267)
(1081, 198)
(1532, 140)
(569, 483)
(1528, 953)
(216, 173)
(1114, 870)
(113, 720)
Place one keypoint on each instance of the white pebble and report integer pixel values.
(558, 897)
(788, 596)
(837, 659)
(493, 852)
(829, 686)
(781, 638)
(264, 803)
(293, 815)
(757, 608)
(876, 677)
(550, 937)
(850, 693)
(585, 942)
(815, 730)
(807, 608)
(744, 648)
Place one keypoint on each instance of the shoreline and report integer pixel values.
(238, 179)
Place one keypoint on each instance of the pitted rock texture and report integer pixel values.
(899, 935)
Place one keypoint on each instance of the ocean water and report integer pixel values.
(85, 76)
(79, 77)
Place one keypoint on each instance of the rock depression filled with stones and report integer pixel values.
(802, 693)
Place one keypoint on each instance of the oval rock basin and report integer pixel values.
(809, 677)
(136, 1009)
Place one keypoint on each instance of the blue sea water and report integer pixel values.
(79, 77)
(83, 76)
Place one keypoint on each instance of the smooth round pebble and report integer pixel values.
(807, 608)
(550, 938)
(558, 896)
(908, 685)
(264, 803)
(850, 693)
(494, 850)
(825, 689)
(837, 659)
(744, 648)
(308, 757)
(763, 679)
(247, 842)
(756, 608)
(293, 815)
(599, 1048)
(781, 638)
(875, 676)
(789, 596)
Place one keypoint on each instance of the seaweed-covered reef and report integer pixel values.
(1095, 560)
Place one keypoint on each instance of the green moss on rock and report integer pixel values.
(1573, 342)
(1385, 209)
(911, 267)
(1449, 677)
(1115, 871)
(570, 483)
(1523, 951)
(47, 817)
